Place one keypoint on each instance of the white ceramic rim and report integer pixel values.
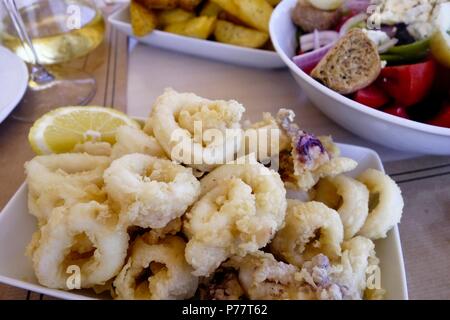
(21, 87)
(114, 19)
(340, 98)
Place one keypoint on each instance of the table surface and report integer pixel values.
(425, 181)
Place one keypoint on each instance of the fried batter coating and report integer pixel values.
(85, 235)
(265, 139)
(150, 191)
(264, 278)
(172, 228)
(241, 208)
(154, 235)
(358, 258)
(195, 131)
(385, 204)
(94, 148)
(132, 140)
(156, 271)
(310, 228)
(63, 179)
(309, 158)
(349, 197)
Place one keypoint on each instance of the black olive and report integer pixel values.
(403, 35)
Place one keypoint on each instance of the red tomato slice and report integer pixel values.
(372, 96)
(443, 118)
(398, 111)
(408, 84)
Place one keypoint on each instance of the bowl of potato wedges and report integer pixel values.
(231, 31)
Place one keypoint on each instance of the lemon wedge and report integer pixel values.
(61, 129)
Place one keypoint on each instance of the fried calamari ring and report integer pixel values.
(309, 158)
(196, 131)
(132, 140)
(310, 228)
(264, 139)
(241, 208)
(150, 191)
(63, 179)
(350, 198)
(94, 148)
(264, 278)
(385, 204)
(52, 251)
(156, 271)
(334, 167)
(319, 275)
(358, 254)
(171, 229)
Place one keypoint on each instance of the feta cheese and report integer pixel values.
(418, 15)
(377, 36)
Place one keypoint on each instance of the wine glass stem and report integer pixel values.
(39, 73)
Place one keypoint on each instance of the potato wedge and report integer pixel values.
(189, 5)
(255, 13)
(143, 20)
(224, 15)
(210, 9)
(230, 33)
(199, 27)
(159, 4)
(228, 5)
(172, 16)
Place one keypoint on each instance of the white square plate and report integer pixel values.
(202, 48)
(17, 226)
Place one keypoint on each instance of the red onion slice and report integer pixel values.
(308, 41)
(389, 30)
(308, 61)
(316, 39)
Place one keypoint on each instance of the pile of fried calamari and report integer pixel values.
(140, 219)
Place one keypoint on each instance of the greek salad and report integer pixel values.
(410, 77)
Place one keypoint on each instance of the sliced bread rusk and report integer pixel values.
(352, 64)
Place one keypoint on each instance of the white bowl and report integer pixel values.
(17, 227)
(377, 126)
(214, 50)
(13, 81)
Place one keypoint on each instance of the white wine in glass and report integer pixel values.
(45, 34)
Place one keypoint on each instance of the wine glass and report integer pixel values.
(46, 34)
